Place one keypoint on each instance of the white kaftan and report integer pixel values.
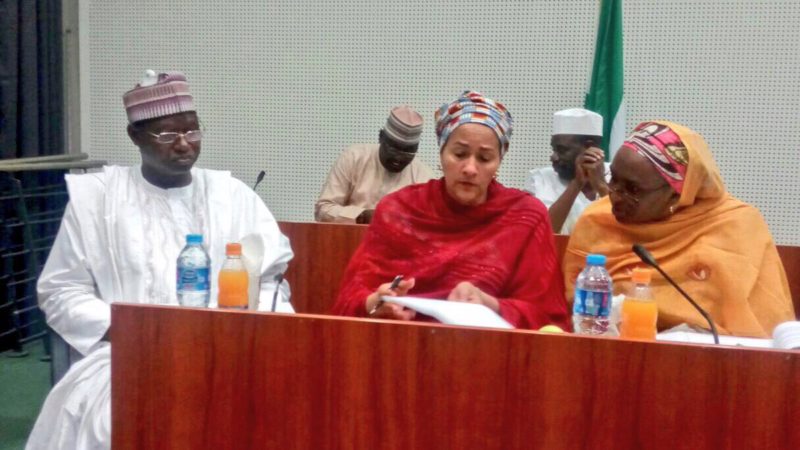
(119, 241)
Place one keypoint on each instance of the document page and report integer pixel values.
(703, 338)
(453, 313)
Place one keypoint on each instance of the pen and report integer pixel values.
(393, 286)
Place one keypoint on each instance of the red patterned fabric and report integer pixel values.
(664, 149)
(505, 247)
(473, 107)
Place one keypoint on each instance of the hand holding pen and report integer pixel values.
(392, 288)
(377, 308)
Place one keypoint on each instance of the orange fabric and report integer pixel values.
(716, 247)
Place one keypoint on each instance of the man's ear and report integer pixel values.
(133, 134)
(589, 143)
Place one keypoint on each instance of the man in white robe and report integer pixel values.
(578, 175)
(119, 241)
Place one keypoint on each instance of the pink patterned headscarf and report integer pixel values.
(664, 149)
(473, 107)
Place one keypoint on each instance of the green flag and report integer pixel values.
(604, 95)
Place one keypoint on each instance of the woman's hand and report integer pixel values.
(390, 310)
(469, 293)
(365, 217)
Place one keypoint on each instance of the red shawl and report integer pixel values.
(505, 247)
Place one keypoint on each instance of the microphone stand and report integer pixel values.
(696, 306)
(648, 259)
(279, 279)
(259, 178)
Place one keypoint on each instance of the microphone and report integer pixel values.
(279, 279)
(648, 259)
(259, 178)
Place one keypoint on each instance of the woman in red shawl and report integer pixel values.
(464, 237)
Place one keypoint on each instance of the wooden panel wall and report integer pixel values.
(321, 254)
(323, 250)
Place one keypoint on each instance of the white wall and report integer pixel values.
(284, 86)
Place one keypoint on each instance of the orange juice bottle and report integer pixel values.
(233, 279)
(639, 310)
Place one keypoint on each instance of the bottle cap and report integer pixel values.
(194, 238)
(596, 260)
(233, 248)
(641, 275)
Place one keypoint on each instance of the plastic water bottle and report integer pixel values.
(194, 269)
(592, 304)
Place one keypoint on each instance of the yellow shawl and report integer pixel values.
(716, 247)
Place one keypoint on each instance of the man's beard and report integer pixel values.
(566, 173)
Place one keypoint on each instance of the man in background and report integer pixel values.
(364, 173)
(578, 174)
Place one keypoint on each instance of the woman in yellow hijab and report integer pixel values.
(667, 194)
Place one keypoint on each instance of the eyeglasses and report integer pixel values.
(391, 147)
(168, 137)
(396, 154)
(632, 194)
(402, 152)
(401, 155)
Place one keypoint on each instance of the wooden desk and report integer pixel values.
(323, 250)
(321, 254)
(196, 378)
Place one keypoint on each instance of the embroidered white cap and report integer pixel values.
(158, 95)
(404, 125)
(578, 121)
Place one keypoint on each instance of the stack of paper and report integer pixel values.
(704, 338)
(452, 313)
(787, 335)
